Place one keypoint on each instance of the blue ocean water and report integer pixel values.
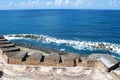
(77, 31)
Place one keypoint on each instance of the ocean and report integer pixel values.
(76, 31)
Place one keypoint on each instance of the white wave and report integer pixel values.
(79, 45)
(12, 37)
(62, 49)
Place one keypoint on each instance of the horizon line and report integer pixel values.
(57, 9)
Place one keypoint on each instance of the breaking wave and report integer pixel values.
(79, 45)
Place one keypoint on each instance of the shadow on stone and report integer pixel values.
(1, 74)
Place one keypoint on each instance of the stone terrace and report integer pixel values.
(14, 55)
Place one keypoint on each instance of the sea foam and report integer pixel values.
(79, 45)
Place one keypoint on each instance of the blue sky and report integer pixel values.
(59, 4)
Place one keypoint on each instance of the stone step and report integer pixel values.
(10, 49)
(6, 45)
(4, 42)
(12, 53)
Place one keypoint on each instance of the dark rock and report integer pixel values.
(1, 74)
(1, 37)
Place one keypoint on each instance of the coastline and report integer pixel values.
(21, 59)
(44, 49)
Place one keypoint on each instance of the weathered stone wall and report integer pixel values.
(15, 61)
(32, 62)
(102, 67)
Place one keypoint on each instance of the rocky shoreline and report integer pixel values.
(89, 45)
(44, 49)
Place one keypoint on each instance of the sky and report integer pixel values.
(59, 4)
